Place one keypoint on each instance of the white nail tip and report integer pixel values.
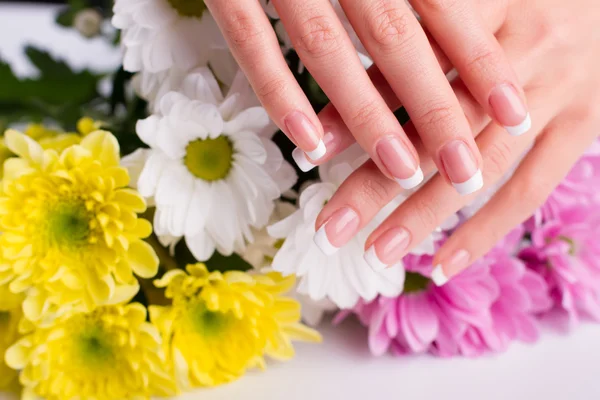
(301, 161)
(374, 261)
(413, 181)
(520, 129)
(318, 152)
(471, 186)
(323, 243)
(438, 277)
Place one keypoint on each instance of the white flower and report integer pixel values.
(159, 34)
(343, 277)
(153, 86)
(213, 171)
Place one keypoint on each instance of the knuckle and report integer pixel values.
(437, 116)
(497, 158)
(389, 26)
(271, 90)
(318, 36)
(241, 29)
(426, 214)
(439, 6)
(365, 114)
(374, 192)
(483, 60)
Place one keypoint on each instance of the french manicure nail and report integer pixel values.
(461, 167)
(331, 142)
(305, 134)
(337, 230)
(510, 110)
(444, 271)
(399, 161)
(387, 249)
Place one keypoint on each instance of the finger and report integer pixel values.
(256, 48)
(338, 137)
(479, 59)
(433, 203)
(367, 190)
(399, 46)
(541, 171)
(326, 50)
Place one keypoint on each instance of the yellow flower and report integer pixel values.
(87, 125)
(219, 325)
(109, 354)
(71, 238)
(46, 137)
(10, 315)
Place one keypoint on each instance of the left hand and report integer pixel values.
(554, 47)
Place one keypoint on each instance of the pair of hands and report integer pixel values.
(519, 61)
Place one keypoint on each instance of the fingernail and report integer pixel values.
(510, 110)
(331, 142)
(337, 231)
(444, 271)
(388, 249)
(305, 134)
(461, 167)
(399, 161)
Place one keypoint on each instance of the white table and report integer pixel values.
(556, 368)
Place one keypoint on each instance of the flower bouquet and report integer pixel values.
(156, 237)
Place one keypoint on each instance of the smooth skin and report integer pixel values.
(401, 49)
(554, 47)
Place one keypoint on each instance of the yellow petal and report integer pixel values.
(131, 199)
(143, 259)
(24, 146)
(168, 277)
(17, 356)
(104, 147)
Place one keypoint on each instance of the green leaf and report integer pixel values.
(58, 92)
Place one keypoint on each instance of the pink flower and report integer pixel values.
(580, 187)
(483, 309)
(566, 252)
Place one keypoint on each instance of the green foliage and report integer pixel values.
(58, 92)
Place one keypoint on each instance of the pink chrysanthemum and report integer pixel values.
(566, 253)
(483, 309)
(580, 187)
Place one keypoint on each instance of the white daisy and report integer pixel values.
(213, 171)
(343, 277)
(158, 34)
(152, 86)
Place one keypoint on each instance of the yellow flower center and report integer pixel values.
(415, 282)
(4, 318)
(95, 350)
(68, 223)
(188, 8)
(209, 159)
(206, 322)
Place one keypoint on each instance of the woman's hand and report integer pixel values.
(400, 47)
(555, 48)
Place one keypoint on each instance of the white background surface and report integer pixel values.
(341, 368)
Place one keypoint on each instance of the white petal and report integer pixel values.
(250, 145)
(199, 208)
(253, 119)
(147, 129)
(201, 246)
(151, 173)
(201, 85)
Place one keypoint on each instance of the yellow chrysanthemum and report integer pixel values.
(10, 315)
(47, 138)
(71, 237)
(111, 353)
(220, 324)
